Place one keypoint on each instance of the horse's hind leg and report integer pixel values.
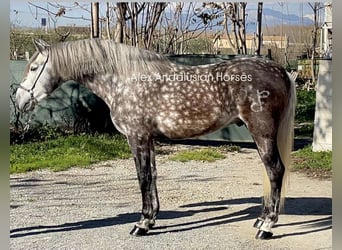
(144, 157)
(154, 194)
(268, 150)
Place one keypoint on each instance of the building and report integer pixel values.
(326, 34)
(222, 42)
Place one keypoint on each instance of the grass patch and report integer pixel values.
(65, 152)
(204, 154)
(316, 163)
(231, 148)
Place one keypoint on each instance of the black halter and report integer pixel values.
(30, 91)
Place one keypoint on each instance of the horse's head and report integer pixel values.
(38, 81)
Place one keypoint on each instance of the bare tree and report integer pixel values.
(136, 22)
(108, 21)
(155, 11)
(233, 23)
(133, 13)
(120, 10)
(184, 22)
(56, 12)
(315, 8)
(241, 23)
(150, 26)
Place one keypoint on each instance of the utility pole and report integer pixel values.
(259, 34)
(95, 23)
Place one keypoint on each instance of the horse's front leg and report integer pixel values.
(143, 152)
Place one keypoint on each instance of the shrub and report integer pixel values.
(305, 109)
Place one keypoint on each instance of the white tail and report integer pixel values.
(285, 143)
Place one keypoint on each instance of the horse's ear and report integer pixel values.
(40, 45)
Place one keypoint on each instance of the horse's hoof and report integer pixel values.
(258, 223)
(137, 231)
(263, 235)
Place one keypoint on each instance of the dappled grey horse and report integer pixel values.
(150, 96)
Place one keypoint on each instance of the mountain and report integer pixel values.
(272, 17)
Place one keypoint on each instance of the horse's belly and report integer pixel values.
(185, 127)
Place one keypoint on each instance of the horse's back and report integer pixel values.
(192, 101)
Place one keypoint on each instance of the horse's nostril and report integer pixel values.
(26, 107)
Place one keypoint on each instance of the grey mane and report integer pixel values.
(85, 58)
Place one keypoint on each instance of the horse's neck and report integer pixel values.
(103, 86)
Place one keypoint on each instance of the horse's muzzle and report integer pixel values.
(24, 102)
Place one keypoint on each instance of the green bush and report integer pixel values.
(305, 109)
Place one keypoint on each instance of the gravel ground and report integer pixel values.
(203, 206)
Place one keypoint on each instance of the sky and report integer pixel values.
(24, 14)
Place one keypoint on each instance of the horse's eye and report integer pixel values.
(33, 68)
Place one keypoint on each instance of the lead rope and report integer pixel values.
(27, 123)
(27, 126)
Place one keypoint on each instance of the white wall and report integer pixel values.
(322, 139)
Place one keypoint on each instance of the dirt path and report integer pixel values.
(203, 206)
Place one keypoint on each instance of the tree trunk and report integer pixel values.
(315, 7)
(134, 24)
(121, 9)
(229, 39)
(108, 22)
(95, 22)
(157, 10)
(259, 36)
(236, 13)
(241, 24)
